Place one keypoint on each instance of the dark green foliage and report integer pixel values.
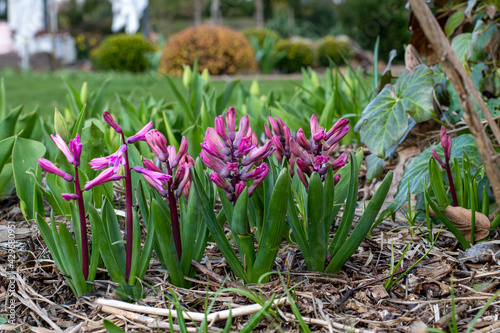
(260, 34)
(298, 54)
(123, 52)
(335, 49)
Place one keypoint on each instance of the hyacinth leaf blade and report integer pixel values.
(350, 208)
(437, 184)
(113, 233)
(25, 156)
(51, 242)
(298, 228)
(188, 111)
(8, 124)
(72, 258)
(246, 240)
(6, 146)
(136, 249)
(329, 186)
(362, 228)
(170, 134)
(315, 215)
(216, 229)
(115, 269)
(80, 122)
(223, 99)
(60, 126)
(92, 138)
(165, 239)
(459, 186)
(461, 239)
(273, 227)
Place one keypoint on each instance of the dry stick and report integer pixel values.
(446, 320)
(194, 316)
(460, 79)
(325, 323)
(218, 278)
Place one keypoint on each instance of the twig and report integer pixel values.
(194, 316)
(221, 280)
(324, 323)
(460, 81)
(445, 320)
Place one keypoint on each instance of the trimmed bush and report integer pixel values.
(298, 54)
(335, 49)
(122, 52)
(260, 34)
(218, 49)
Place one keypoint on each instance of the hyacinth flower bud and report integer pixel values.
(214, 163)
(261, 170)
(319, 135)
(179, 175)
(63, 147)
(240, 187)
(303, 142)
(314, 124)
(292, 165)
(338, 135)
(269, 135)
(69, 196)
(319, 161)
(211, 135)
(231, 123)
(220, 128)
(244, 130)
(438, 159)
(50, 167)
(158, 144)
(274, 125)
(76, 148)
(339, 162)
(244, 147)
(280, 150)
(287, 135)
(108, 118)
(141, 135)
(183, 148)
(104, 177)
(336, 179)
(338, 126)
(184, 181)
(148, 164)
(209, 146)
(220, 182)
(302, 166)
(258, 154)
(446, 143)
(116, 160)
(297, 151)
(157, 177)
(258, 180)
(302, 177)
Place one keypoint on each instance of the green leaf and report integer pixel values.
(272, 231)
(8, 124)
(60, 126)
(239, 228)
(384, 121)
(298, 229)
(182, 101)
(3, 103)
(416, 173)
(77, 128)
(257, 317)
(111, 328)
(316, 223)
(453, 22)
(437, 184)
(462, 45)
(73, 260)
(25, 156)
(375, 167)
(362, 227)
(6, 146)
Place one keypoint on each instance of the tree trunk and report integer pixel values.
(215, 12)
(197, 12)
(259, 13)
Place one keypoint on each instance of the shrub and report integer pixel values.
(260, 34)
(298, 54)
(335, 49)
(218, 49)
(122, 52)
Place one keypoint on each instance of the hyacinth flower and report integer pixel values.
(315, 155)
(177, 178)
(72, 154)
(280, 136)
(112, 164)
(234, 154)
(446, 144)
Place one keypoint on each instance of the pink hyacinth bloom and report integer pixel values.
(319, 161)
(104, 177)
(302, 177)
(158, 144)
(446, 143)
(240, 187)
(269, 135)
(155, 177)
(220, 182)
(50, 167)
(294, 147)
(260, 171)
(258, 154)
(338, 126)
(314, 124)
(303, 142)
(116, 160)
(244, 130)
(183, 148)
(108, 118)
(63, 147)
(336, 179)
(148, 164)
(220, 128)
(214, 163)
(69, 196)
(231, 123)
(76, 149)
(184, 175)
(302, 166)
(212, 136)
(141, 135)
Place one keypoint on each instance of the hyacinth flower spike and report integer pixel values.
(177, 181)
(280, 136)
(72, 154)
(232, 155)
(114, 162)
(446, 144)
(315, 155)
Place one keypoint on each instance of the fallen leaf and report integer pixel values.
(461, 219)
(481, 253)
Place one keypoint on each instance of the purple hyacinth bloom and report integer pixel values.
(437, 158)
(50, 167)
(116, 160)
(76, 149)
(175, 158)
(446, 143)
(141, 135)
(157, 178)
(63, 147)
(158, 144)
(108, 118)
(104, 177)
(69, 196)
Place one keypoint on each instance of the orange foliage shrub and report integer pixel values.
(219, 49)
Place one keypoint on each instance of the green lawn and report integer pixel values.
(47, 90)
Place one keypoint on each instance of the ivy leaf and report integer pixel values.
(453, 23)
(374, 166)
(462, 45)
(416, 174)
(385, 120)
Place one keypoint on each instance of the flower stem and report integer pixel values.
(174, 217)
(129, 234)
(452, 185)
(83, 227)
